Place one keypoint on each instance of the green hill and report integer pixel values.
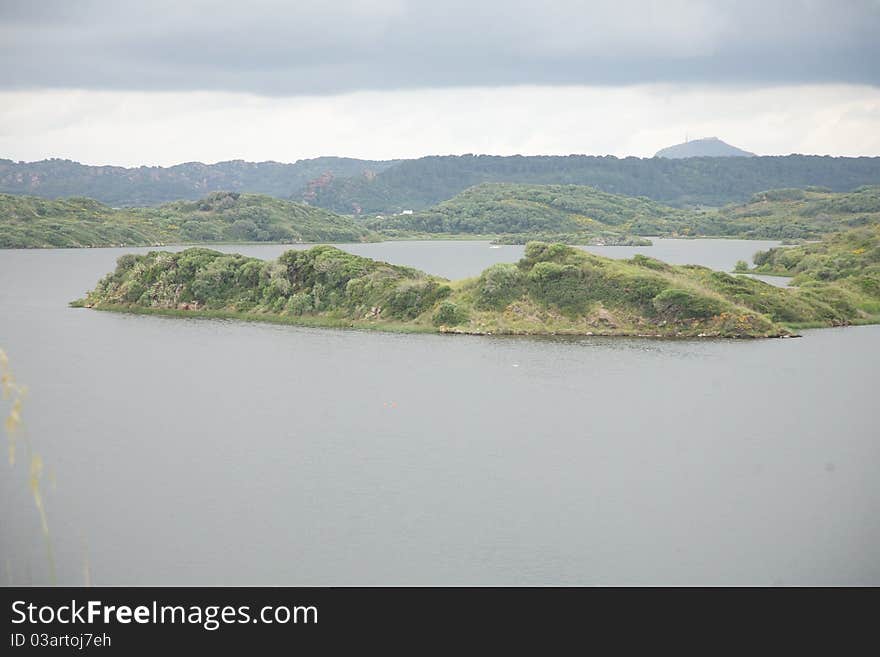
(513, 213)
(523, 210)
(694, 181)
(351, 186)
(792, 214)
(554, 289)
(30, 222)
(141, 186)
(848, 261)
(581, 214)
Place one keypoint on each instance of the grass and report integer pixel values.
(307, 321)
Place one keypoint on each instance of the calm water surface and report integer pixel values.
(220, 452)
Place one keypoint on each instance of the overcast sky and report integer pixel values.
(161, 82)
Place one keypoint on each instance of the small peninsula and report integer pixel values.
(553, 290)
(31, 222)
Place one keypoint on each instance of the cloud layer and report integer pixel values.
(133, 128)
(316, 47)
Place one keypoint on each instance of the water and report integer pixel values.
(221, 452)
(461, 259)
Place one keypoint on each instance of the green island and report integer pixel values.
(793, 214)
(506, 213)
(848, 262)
(554, 289)
(577, 214)
(516, 214)
(31, 222)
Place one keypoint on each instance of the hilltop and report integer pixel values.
(30, 222)
(707, 147)
(554, 289)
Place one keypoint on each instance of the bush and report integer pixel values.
(499, 285)
(449, 314)
(559, 285)
(299, 304)
(243, 229)
(684, 304)
(411, 299)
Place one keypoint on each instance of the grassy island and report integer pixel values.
(553, 289)
(844, 265)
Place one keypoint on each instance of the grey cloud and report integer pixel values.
(312, 47)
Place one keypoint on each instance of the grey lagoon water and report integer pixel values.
(187, 451)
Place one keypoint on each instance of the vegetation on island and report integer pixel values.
(553, 289)
(31, 222)
(522, 213)
(577, 214)
(505, 212)
(792, 214)
(843, 266)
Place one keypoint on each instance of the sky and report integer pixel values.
(160, 82)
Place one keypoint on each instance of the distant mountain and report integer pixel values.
(139, 186)
(708, 147)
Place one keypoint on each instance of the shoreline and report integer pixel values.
(312, 321)
(440, 237)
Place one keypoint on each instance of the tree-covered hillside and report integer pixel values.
(585, 213)
(351, 186)
(138, 186)
(418, 184)
(792, 214)
(515, 209)
(512, 213)
(30, 222)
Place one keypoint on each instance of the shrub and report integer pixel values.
(299, 304)
(411, 299)
(499, 285)
(684, 304)
(449, 314)
(559, 285)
